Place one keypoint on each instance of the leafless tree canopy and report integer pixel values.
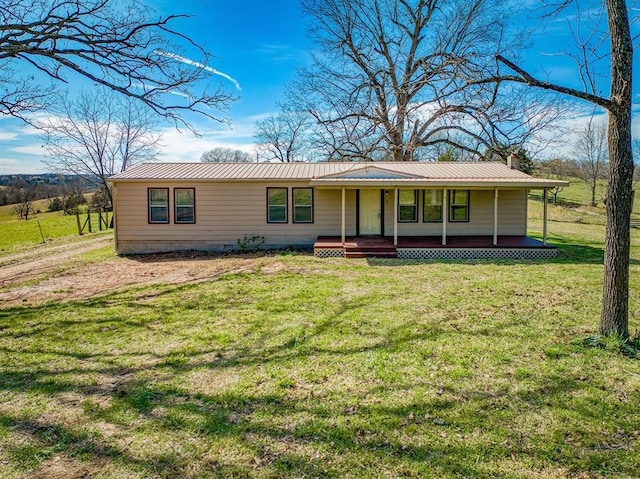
(389, 79)
(221, 154)
(284, 136)
(22, 195)
(590, 149)
(98, 135)
(115, 44)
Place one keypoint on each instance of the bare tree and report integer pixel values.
(283, 136)
(557, 169)
(98, 135)
(221, 154)
(590, 148)
(118, 45)
(591, 52)
(22, 195)
(386, 80)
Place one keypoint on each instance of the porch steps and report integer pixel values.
(370, 254)
(370, 251)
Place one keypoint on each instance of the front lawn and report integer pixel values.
(301, 367)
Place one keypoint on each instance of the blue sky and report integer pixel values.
(259, 43)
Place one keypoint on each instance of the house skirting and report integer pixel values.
(454, 253)
(476, 253)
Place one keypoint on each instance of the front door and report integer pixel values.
(370, 214)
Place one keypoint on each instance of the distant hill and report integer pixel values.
(51, 179)
(42, 186)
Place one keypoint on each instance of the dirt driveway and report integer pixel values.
(57, 272)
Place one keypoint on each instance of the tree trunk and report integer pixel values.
(614, 320)
(593, 193)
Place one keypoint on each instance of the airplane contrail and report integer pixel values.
(200, 65)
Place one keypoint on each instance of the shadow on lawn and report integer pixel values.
(568, 253)
(289, 428)
(427, 438)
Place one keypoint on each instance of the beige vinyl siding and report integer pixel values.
(512, 212)
(225, 213)
(512, 216)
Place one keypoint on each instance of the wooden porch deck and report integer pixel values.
(467, 246)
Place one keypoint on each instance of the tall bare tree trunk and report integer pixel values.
(615, 301)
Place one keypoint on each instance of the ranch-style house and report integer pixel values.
(450, 210)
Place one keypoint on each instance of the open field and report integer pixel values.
(284, 365)
(17, 234)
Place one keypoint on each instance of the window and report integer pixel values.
(459, 205)
(432, 211)
(277, 205)
(303, 205)
(158, 205)
(408, 206)
(184, 200)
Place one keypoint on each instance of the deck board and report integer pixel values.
(516, 242)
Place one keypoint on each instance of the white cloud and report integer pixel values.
(261, 116)
(36, 150)
(9, 166)
(574, 125)
(184, 146)
(281, 53)
(9, 162)
(8, 136)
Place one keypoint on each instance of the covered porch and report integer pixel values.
(431, 247)
(447, 211)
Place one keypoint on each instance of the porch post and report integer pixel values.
(545, 216)
(445, 215)
(343, 228)
(495, 217)
(395, 216)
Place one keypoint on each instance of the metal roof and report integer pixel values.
(335, 174)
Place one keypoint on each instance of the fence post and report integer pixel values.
(40, 228)
(89, 219)
(78, 221)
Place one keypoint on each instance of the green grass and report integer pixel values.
(328, 368)
(16, 234)
(574, 203)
